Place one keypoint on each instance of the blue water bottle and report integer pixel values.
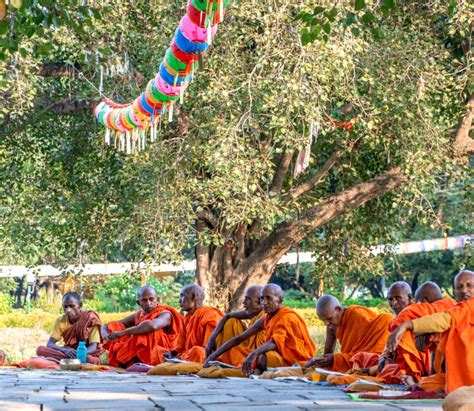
(81, 352)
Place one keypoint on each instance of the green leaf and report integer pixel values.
(4, 24)
(326, 28)
(367, 17)
(359, 5)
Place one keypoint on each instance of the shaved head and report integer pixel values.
(145, 289)
(428, 292)
(272, 298)
(399, 296)
(252, 301)
(329, 310)
(464, 285)
(191, 298)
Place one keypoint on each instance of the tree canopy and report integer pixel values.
(386, 96)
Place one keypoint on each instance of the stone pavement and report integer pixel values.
(55, 390)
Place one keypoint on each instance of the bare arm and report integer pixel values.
(211, 344)
(254, 329)
(331, 339)
(248, 364)
(92, 348)
(128, 321)
(146, 327)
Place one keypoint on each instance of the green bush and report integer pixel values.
(119, 293)
(6, 303)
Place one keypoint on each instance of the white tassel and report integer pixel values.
(122, 142)
(101, 84)
(143, 140)
(221, 11)
(107, 136)
(155, 125)
(170, 113)
(209, 33)
(181, 93)
(129, 147)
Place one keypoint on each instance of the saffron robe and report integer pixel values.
(409, 360)
(361, 330)
(78, 331)
(287, 329)
(232, 328)
(455, 345)
(198, 327)
(145, 348)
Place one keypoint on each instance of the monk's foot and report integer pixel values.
(257, 372)
(409, 381)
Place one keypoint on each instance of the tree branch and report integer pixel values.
(58, 69)
(313, 181)
(282, 170)
(463, 144)
(263, 260)
(69, 105)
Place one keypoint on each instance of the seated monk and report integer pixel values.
(457, 324)
(287, 339)
(357, 328)
(199, 323)
(143, 337)
(413, 356)
(74, 326)
(399, 296)
(232, 325)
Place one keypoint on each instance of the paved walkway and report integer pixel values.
(54, 390)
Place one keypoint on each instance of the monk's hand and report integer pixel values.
(210, 347)
(247, 365)
(170, 354)
(69, 352)
(381, 365)
(322, 361)
(115, 335)
(395, 337)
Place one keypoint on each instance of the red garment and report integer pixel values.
(198, 327)
(47, 352)
(144, 348)
(409, 359)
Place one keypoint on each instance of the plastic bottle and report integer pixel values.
(81, 352)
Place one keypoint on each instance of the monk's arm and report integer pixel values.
(211, 344)
(128, 321)
(434, 323)
(92, 348)
(233, 342)
(330, 344)
(147, 327)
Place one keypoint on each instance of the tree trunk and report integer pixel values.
(231, 269)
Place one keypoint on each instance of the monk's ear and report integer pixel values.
(281, 299)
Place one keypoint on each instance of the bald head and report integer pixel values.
(191, 298)
(399, 296)
(272, 298)
(146, 298)
(464, 285)
(329, 310)
(428, 292)
(252, 302)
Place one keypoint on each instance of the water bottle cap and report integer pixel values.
(82, 343)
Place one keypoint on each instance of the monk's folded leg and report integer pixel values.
(43, 351)
(274, 359)
(194, 354)
(433, 383)
(232, 328)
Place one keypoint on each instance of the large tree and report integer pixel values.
(384, 101)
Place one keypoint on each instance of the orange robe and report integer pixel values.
(232, 328)
(457, 346)
(361, 330)
(79, 331)
(289, 332)
(409, 360)
(198, 327)
(145, 348)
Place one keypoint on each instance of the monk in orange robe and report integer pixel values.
(233, 324)
(287, 339)
(74, 326)
(357, 328)
(199, 324)
(413, 356)
(145, 336)
(457, 324)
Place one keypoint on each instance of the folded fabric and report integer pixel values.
(93, 367)
(349, 379)
(219, 372)
(175, 368)
(461, 399)
(282, 372)
(39, 363)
